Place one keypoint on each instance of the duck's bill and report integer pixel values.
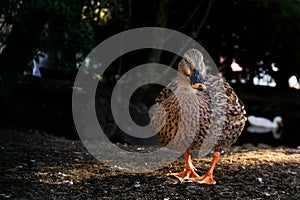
(195, 77)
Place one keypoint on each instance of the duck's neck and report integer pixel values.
(183, 82)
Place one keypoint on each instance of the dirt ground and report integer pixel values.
(39, 166)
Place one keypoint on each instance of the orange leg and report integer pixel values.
(189, 172)
(208, 177)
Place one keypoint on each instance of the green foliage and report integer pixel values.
(69, 34)
(72, 28)
(66, 35)
(246, 29)
(8, 10)
(102, 11)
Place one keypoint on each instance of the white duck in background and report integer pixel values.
(39, 60)
(263, 122)
(262, 125)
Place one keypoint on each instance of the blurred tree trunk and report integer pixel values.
(63, 37)
(52, 44)
(160, 21)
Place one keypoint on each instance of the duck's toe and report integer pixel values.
(186, 175)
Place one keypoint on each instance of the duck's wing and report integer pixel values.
(228, 113)
(167, 91)
(165, 118)
(178, 115)
(224, 96)
(157, 112)
(218, 113)
(236, 114)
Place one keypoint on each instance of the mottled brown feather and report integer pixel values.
(216, 113)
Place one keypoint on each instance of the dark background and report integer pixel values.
(249, 31)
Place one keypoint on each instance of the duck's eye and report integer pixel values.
(193, 67)
(187, 74)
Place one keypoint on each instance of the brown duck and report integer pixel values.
(187, 119)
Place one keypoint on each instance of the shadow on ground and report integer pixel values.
(37, 166)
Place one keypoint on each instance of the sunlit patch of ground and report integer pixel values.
(37, 166)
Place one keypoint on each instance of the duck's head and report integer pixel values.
(278, 120)
(185, 70)
(195, 57)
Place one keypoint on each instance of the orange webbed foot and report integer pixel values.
(192, 176)
(186, 175)
(205, 179)
(189, 174)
